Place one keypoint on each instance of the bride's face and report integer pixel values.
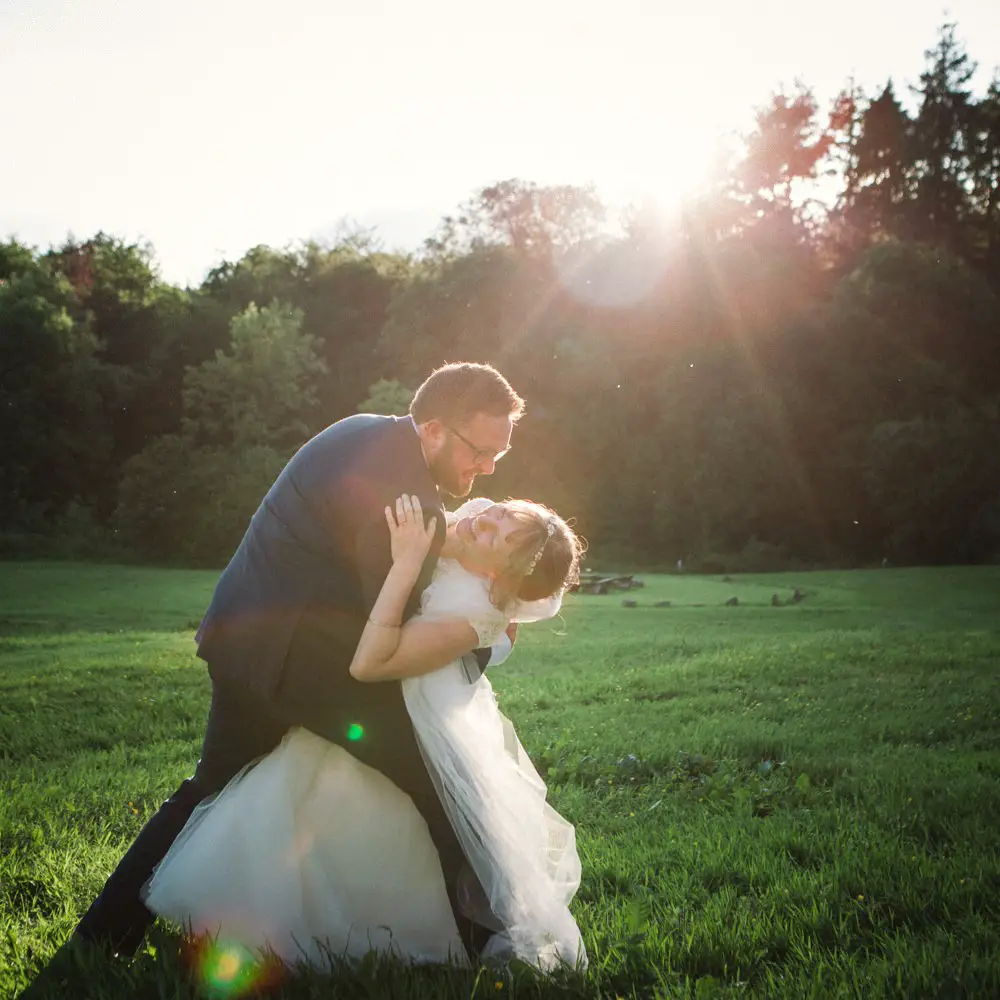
(484, 543)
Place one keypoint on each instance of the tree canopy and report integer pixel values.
(803, 368)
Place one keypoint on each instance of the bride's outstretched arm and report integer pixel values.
(389, 650)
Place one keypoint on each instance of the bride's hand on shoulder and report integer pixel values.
(410, 538)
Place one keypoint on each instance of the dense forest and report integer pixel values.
(801, 369)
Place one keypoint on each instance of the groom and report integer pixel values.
(288, 611)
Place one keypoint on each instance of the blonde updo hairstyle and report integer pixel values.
(544, 559)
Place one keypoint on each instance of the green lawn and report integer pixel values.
(794, 801)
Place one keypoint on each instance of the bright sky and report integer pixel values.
(209, 126)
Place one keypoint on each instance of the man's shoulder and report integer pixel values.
(357, 433)
(361, 424)
(366, 453)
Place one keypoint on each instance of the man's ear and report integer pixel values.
(433, 433)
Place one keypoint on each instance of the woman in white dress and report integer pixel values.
(310, 853)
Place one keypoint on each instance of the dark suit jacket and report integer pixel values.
(288, 610)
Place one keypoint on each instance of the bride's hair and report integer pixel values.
(545, 558)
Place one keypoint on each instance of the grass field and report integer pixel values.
(795, 801)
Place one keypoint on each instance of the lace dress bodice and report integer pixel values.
(454, 592)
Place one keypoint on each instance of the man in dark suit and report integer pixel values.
(288, 610)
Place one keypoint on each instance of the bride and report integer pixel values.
(310, 853)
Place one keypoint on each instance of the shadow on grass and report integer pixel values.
(177, 966)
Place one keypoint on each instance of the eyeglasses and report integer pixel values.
(478, 454)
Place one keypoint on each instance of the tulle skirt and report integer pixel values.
(310, 853)
(523, 852)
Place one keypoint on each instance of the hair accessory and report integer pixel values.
(550, 528)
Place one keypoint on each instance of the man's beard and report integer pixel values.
(443, 473)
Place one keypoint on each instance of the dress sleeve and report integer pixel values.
(457, 593)
(489, 628)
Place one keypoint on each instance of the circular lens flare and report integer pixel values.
(227, 970)
(355, 732)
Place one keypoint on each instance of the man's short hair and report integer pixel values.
(455, 393)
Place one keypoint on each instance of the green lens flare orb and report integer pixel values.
(355, 732)
(227, 971)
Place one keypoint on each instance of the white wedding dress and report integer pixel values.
(311, 853)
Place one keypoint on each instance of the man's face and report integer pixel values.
(468, 450)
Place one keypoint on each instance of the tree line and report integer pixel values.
(780, 376)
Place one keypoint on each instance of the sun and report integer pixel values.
(665, 189)
(662, 177)
(645, 188)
